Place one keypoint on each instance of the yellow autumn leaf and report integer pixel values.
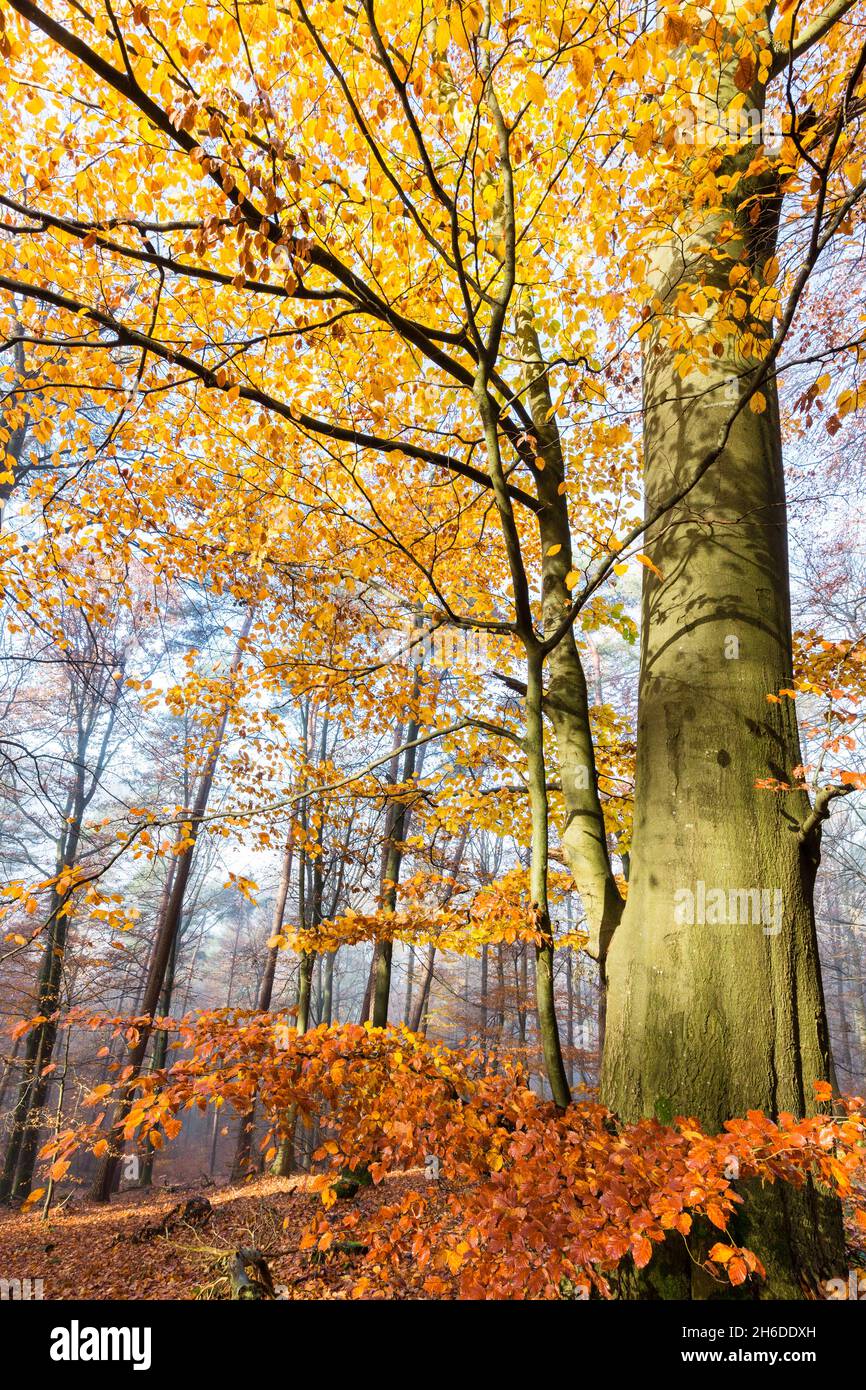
(647, 562)
(583, 61)
(535, 88)
(458, 29)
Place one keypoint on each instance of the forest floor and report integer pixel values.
(89, 1251)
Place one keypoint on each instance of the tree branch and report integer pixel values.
(812, 34)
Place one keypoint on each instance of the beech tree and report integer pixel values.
(492, 302)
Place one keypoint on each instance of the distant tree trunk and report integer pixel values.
(368, 989)
(58, 1120)
(410, 973)
(858, 1018)
(521, 978)
(418, 1022)
(16, 442)
(8, 1069)
(160, 1041)
(419, 1017)
(168, 928)
(484, 950)
(328, 988)
(20, 1159)
(316, 992)
(328, 1003)
(241, 1163)
(285, 1160)
(214, 1142)
(500, 985)
(397, 818)
(569, 985)
(538, 879)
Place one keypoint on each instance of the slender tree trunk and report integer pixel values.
(58, 1120)
(393, 861)
(285, 1160)
(368, 989)
(569, 985)
(521, 980)
(566, 700)
(484, 969)
(160, 1041)
(17, 437)
(20, 1158)
(422, 1001)
(410, 980)
(418, 1021)
(284, 1163)
(8, 1069)
(328, 1002)
(241, 1162)
(169, 926)
(500, 984)
(328, 988)
(538, 869)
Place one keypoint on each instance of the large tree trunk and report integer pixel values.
(708, 1014)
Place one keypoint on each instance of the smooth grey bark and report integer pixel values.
(714, 1016)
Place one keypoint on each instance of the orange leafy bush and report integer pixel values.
(537, 1198)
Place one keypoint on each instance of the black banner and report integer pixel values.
(171, 1338)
